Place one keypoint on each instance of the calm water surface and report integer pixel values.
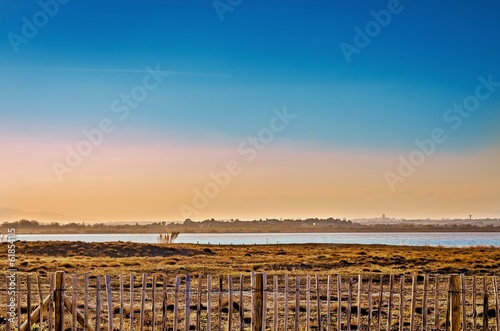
(412, 239)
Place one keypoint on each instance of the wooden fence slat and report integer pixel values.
(59, 302)
(132, 281)
(349, 305)
(242, 304)
(339, 301)
(74, 303)
(230, 303)
(219, 308)
(18, 287)
(51, 301)
(401, 302)
(285, 327)
(424, 303)
(187, 319)
(264, 301)
(497, 311)
(308, 303)
(40, 300)
(464, 307)
(143, 300)
(328, 303)
(360, 284)
(209, 303)
(485, 305)
(436, 304)
(391, 297)
(86, 298)
(258, 303)
(318, 301)
(380, 297)
(198, 305)
(164, 305)
(413, 302)
(455, 290)
(121, 303)
(275, 304)
(98, 304)
(176, 302)
(7, 304)
(370, 301)
(474, 311)
(153, 304)
(28, 299)
(297, 302)
(109, 303)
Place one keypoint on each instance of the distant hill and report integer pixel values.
(11, 215)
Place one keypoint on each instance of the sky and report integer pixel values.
(167, 110)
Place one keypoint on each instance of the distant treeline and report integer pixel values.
(238, 226)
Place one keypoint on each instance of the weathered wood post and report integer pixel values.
(485, 305)
(455, 303)
(258, 302)
(59, 301)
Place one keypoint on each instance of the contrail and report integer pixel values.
(115, 70)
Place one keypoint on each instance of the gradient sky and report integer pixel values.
(353, 119)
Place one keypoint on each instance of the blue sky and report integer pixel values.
(262, 56)
(284, 53)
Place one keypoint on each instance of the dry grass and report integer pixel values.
(122, 258)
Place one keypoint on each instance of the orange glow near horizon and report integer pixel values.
(120, 182)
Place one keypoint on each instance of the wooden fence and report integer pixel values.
(249, 302)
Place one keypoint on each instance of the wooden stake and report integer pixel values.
(75, 298)
(285, 327)
(413, 302)
(297, 302)
(391, 297)
(109, 301)
(153, 304)
(98, 304)
(187, 319)
(318, 302)
(40, 300)
(121, 303)
(455, 303)
(209, 303)
(242, 316)
(59, 302)
(424, 303)
(28, 299)
(339, 301)
(360, 284)
(275, 303)
(308, 303)
(258, 304)
(176, 302)
(132, 280)
(401, 303)
(230, 308)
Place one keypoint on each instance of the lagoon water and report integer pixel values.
(412, 239)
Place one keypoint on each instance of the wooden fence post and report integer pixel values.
(455, 303)
(258, 303)
(59, 301)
